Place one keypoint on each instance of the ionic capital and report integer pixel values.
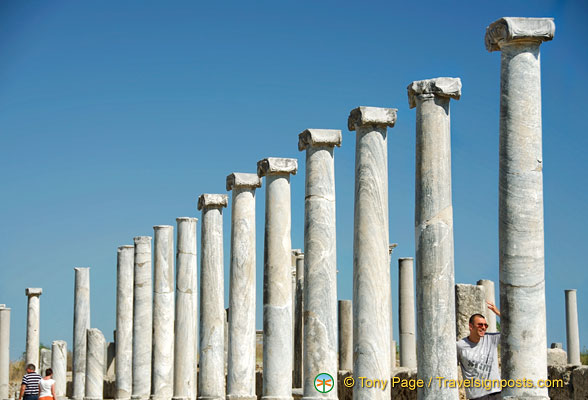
(33, 291)
(142, 239)
(273, 165)
(212, 200)
(371, 116)
(515, 29)
(319, 137)
(243, 180)
(442, 87)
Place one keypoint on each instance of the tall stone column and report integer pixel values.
(185, 333)
(435, 290)
(162, 367)
(406, 317)
(59, 367)
(277, 285)
(345, 335)
(520, 201)
(4, 352)
(320, 261)
(299, 321)
(125, 262)
(95, 358)
(33, 324)
(241, 357)
(212, 310)
(371, 259)
(572, 331)
(142, 319)
(489, 297)
(81, 325)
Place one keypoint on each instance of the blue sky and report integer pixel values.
(115, 116)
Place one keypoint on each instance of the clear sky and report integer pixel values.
(115, 116)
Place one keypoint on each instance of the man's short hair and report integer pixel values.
(473, 317)
(31, 367)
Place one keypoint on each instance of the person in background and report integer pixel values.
(29, 388)
(47, 386)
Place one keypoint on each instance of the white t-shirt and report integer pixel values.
(45, 386)
(479, 361)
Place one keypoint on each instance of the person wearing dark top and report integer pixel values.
(29, 388)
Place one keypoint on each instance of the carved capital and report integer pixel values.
(33, 291)
(442, 87)
(514, 29)
(212, 200)
(371, 116)
(273, 165)
(243, 180)
(319, 137)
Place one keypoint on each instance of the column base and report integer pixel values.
(122, 398)
(94, 398)
(277, 398)
(211, 398)
(160, 397)
(139, 397)
(182, 398)
(241, 397)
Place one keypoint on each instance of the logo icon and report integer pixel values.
(323, 383)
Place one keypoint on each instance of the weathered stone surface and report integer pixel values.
(211, 384)
(59, 367)
(469, 300)
(163, 313)
(489, 295)
(406, 318)
(441, 87)
(4, 352)
(142, 319)
(298, 320)
(241, 335)
(44, 361)
(81, 325)
(95, 365)
(125, 257)
(563, 391)
(371, 258)
(185, 345)
(109, 372)
(580, 382)
(33, 325)
(521, 231)
(572, 331)
(345, 335)
(556, 358)
(273, 165)
(320, 261)
(509, 30)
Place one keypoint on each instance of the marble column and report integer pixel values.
(33, 324)
(44, 361)
(490, 297)
(572, 331)
(185, 333)
(59, 367)
(241, 356)
(95, 358)
(81, 325)
(142, 319)
(320, 261)
(391, 248)
(520, 201)
(125, 261)
(212, 310)
(4, 352)
(299, 321)
(371, 259)
(469, 300)
(162, 367)
(406, 317)
(435, 281)
(345, 335)
(277, 276)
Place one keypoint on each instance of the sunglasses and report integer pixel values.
(482, 325)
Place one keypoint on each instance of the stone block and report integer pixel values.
(556, 358)
(469, 300)
(580, 382)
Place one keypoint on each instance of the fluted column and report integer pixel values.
(490, 297)
(406, 318)
(185, 333)
(520, 203)
(371, 260)
(345, 335)
(572, 331)
(277, 279)
(125, 261)
(81, 325)
(142, 319)
(241, 356)
(95, 358)
(4, 352)
(33, 325)
(320, 261)
(212, 311)
(162, 370)
(434, 234)
(299, 321)
(59, 367)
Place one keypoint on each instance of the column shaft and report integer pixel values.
(142, 319)
(81, 325)
(124, 322)
(162, 368)
(185, 333)
(490, 297)
(95, 358)
(572, 331)
(33, 325)
(299, 322)
(345, 335)
(4, 352)
(59, 367)
(406, 317)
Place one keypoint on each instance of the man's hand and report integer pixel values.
(493, 308)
